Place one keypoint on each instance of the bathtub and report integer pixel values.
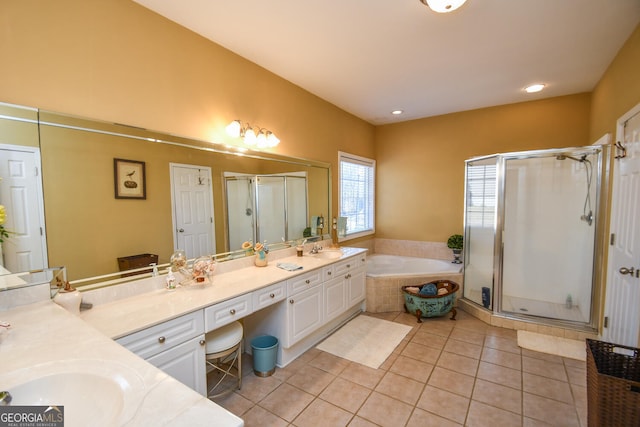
(387, 274)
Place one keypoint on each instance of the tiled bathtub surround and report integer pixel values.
(435, 250)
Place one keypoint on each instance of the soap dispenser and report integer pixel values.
(69, 298)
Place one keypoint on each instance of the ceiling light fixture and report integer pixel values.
(397, 112)
(252, 135)
(534, 88)
(443, 6)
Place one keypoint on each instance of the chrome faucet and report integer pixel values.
(316, 248)
(5, 398)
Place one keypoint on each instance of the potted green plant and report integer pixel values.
(455, 243)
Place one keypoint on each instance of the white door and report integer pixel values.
(192, 197)
(622, 317)
(21, 195)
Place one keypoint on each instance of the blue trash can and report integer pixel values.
(265, 352)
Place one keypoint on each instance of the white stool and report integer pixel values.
(223, 351)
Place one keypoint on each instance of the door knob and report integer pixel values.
(181, 230)
(625, 270)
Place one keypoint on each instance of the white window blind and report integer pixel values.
(357, 194)
(481, 195)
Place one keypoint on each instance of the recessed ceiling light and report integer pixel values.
(397, 112)
(534, 88)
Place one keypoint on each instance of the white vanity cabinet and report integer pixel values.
(176, 346)
(304, 306)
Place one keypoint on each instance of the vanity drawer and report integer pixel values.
(304, 282)
(153, 340)
(226, 312)
(343, 267)
(270, 295)
(328, 273)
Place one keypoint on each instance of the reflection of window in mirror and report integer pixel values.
(356, 201)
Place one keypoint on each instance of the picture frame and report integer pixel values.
(129, 179)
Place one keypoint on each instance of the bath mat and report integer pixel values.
(565, 347)
(366, 340)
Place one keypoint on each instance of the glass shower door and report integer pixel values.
(548, 236)
(480, 229)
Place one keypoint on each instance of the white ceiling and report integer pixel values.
(370, 57)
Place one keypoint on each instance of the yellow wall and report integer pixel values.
(117, 61)
(420, 186)
(618, 90)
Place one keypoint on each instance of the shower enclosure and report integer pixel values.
(530, 234)
(265, 207)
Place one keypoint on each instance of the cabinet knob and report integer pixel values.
(272, 295)
(307, 281)
(232, 311)
(291, 301)
(202, 342)
(348, 265)
(161, 340)
(328, 273)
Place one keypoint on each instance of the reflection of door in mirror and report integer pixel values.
(20, 193)
(192, 199)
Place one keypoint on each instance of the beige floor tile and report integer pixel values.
(427, 419)
(580, 364)
(412, 368)
(500, 375)
(502, 358)
(286, 402)
(577, 376)
(257, 388)
(579, 396)
(437, 328)
(547, 387)
(482, 415)
(401, 388)
(345, 394)
(363, 375)
(443, 403)
(498, 395)
(421, 352)
(429, 339)
(454, 382)
(463, 348)
(312, 380)
(260, 417)
(329, 363)
(385, 411)
(501, 332)
(543, 368)
(501, 343)
(550, 411)
(467, 336)
(455, 362)
(361, 422)
(320, 414)
(234, 403)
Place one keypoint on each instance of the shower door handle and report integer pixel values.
(625, 270)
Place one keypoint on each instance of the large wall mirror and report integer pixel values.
(88, 225)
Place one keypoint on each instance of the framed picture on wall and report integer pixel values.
(129, 179)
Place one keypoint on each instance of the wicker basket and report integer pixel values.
(613, 385)
(431, 305)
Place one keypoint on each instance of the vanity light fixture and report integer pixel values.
(252, 135)
(443, 6)
(534, 88)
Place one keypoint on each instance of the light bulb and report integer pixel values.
(261, 139)
(250, 137)
(444, 6)
(272, 139)
(233, 128)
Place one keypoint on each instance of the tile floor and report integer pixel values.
(444, 373)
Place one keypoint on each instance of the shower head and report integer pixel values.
(582, 158)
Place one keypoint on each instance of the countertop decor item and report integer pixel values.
(261, 250)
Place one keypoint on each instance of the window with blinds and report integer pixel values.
(357, 194)
(481, 195)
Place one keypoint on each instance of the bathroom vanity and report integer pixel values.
(164, 331)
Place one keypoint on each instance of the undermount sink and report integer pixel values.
(93, 392)
(329, 254)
